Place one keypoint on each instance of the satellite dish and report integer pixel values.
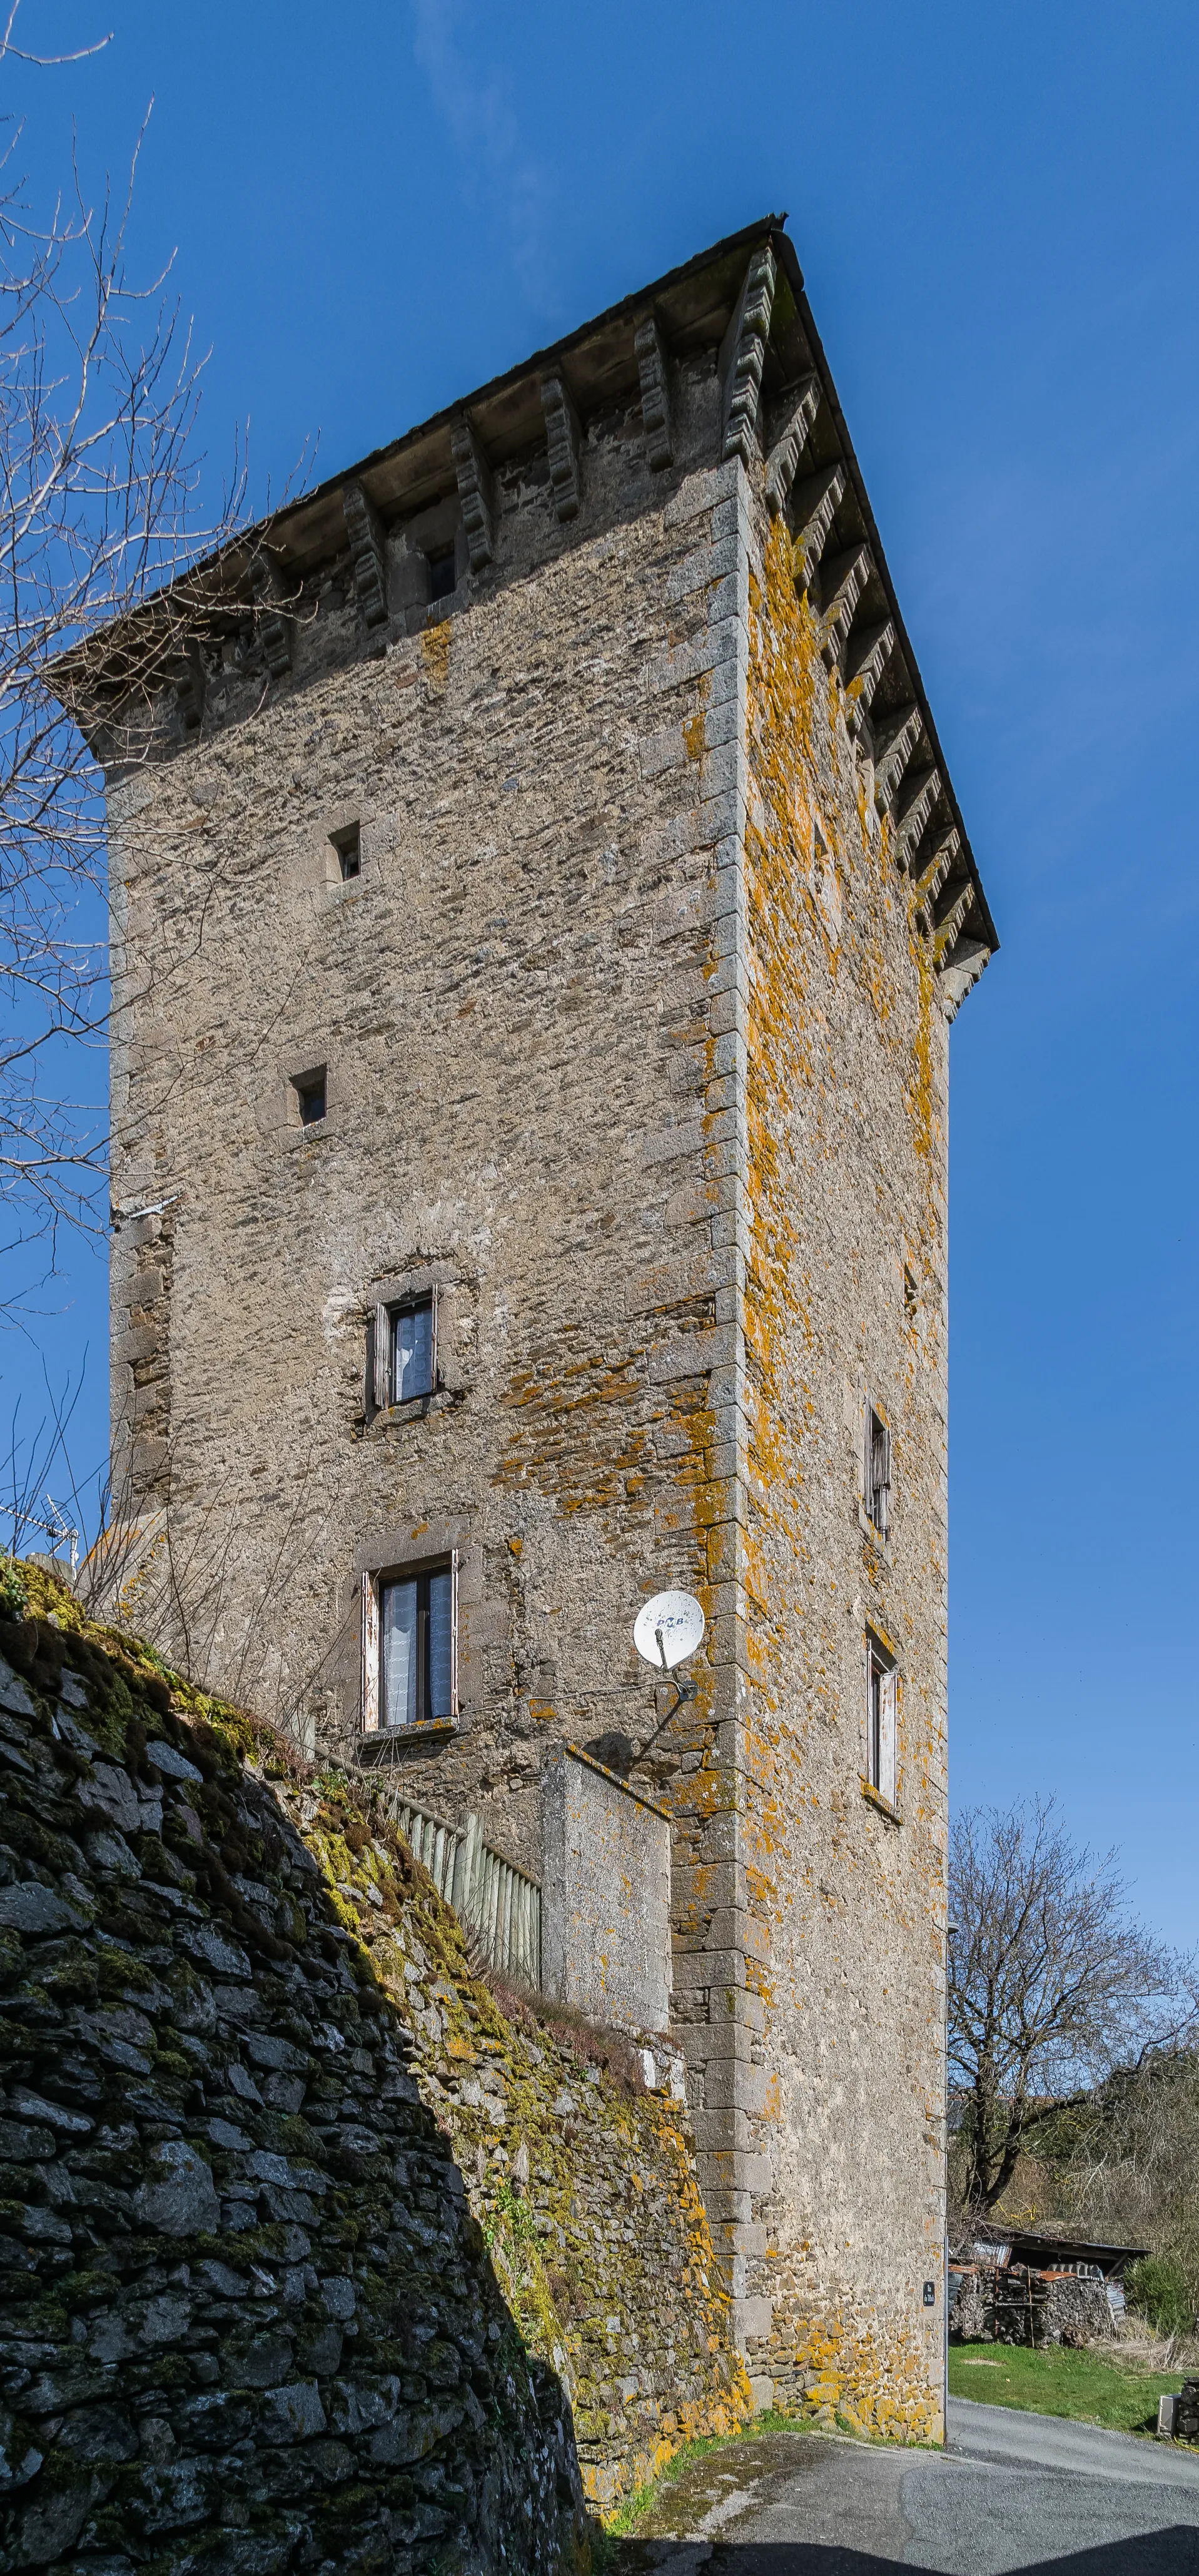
(668, 1629)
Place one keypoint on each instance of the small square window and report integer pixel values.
(409, 1648)
(348, 845)
(880, 1720)
(442, 575)
(876, 1479)
(310, 1089)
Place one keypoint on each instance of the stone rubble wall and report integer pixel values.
(311, 2256)
(1015, 2306)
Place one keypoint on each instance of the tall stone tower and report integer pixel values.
(540, 904)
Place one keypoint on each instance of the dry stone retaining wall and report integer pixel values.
(310, 2256)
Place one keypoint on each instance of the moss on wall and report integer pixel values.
(309, 2250)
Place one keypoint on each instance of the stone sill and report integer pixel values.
(434, 1730)
(874, 1798)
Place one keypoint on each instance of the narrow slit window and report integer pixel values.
(880, 1721)
(877, 1474)
(348, 845)
(311, 1090)
(442, 575)
(412, 1351)
(416, 1649)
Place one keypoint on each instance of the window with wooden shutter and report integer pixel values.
(876, 1478)
(370, 1655)
(410, 1643)
(881, 1721)
(402, 1352)
(381, 1359)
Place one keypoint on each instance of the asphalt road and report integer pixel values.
(1012, 2491)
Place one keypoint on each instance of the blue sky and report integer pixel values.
(376, 207)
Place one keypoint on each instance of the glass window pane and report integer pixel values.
(398, 1654)
(413, 1353)
(440, 1661)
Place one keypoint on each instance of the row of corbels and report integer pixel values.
(926, 844)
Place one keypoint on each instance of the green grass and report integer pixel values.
(1053, 2381)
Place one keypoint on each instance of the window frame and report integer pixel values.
(876, 1493)
(384, 1319)
(374, 1584)
(880, 1773)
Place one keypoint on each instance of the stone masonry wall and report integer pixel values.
(308, 2251)
(605, 1895)
(523, 1006)
(845, 1284)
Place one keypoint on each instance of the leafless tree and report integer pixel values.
(99, 386)
(1051, 1983)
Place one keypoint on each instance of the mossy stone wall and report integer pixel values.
(310, 2255)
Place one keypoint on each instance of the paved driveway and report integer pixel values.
(1012, 2491)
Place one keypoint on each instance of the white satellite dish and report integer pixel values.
(668, 1629)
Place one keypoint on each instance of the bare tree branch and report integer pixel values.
(1051, 1985)
(99, 477)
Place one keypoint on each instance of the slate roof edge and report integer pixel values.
(784, 250)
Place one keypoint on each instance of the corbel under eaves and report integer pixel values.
(928, 885)
(272, 626)
(961, 972)
(475, 492)
(786, 452)
(843, 580)
(744, 356)
(190, 684)
(562, 431)
(945, 931)
(367, 553)
(653, 368)
(867, 657)
(894, 743)
(909, 822)
(816, 500)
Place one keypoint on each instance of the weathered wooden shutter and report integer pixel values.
(370, 1655)
(381, 1359)
(889, 1765)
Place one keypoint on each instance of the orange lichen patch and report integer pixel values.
(577, 1430)
(435, 653)
(693, 736)
(919, 1091)
(837, 2371)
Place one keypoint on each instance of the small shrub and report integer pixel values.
(1158, 2289)
(13, 1594)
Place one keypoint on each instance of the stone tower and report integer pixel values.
(540, 904)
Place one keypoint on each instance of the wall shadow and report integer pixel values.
(1172, 2552)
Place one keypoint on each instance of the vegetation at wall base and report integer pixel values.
(633, 2514)
(1049, 2380)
